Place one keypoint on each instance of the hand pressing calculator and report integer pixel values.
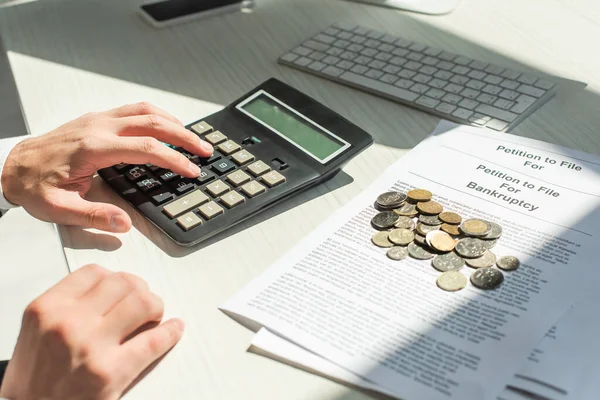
(269, 145)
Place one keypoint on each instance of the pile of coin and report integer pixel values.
(412, 224)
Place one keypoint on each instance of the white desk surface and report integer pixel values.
(75, 56)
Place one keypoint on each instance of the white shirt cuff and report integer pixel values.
(6, 145)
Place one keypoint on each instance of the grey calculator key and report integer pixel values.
(544, 84)
(508, 84)
(496, 112)
(372, 43)
(210, 210)
(189, 221)
(232, 199)
(437, 83)
(238, 177)
(289, 57)
(404, 83)
(377, 64)
(303, 61)
(386, 47)
(406, 73)
(493, 79)
(228, 147)
(494, 69)
(531, 91)
(432, 51)
(508, 94)
(445, 108)
(345, 64)
(421, 78)
(443, 74)
(427, 101)
(359, 69)
(428, 70)
(253, 188)
(217, 188)
(398, 60)
(468, 104)
(430, 60)
(379, 86)
(357, 48)
(317, 55)
(462, 113)
(452, 98)
(303, 51)
(374, 73)
(435, 93)
(185, 203)
(454, 88)
(413, 65)
(348, 55)
(446, 55)
(446, 65)
(311, 44)
(363, 60)
(470, 93)
(258, 168)
(510, 74)
(332, 71)
(527, 79)
(317, 66)
(383, 56)
(321, 37)
(342, 43)
(461, 69)
(475, 84)
(480, 65)
(403, 42)
(462, 60)
(492, 89)
(273, 178)
(459, 79)
(496, 124)
(357, 39)
(486, 98)
(391, 69)
(202, 127)
(388, 78)
(369, 52)
(400, 52)
(331, 60)
(479, 119)
(419, 88)
(215, 138)
(334, 51)
(345, 35)
(476, 74)
(504, 104)
(414, 56)
(242, 157)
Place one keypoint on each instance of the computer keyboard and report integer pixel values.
(449, 85)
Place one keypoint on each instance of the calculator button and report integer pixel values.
(161, 198)
(201, 128)
(217, 188)
(169, 176)
(232, 199)
(206, 176)
(258, 168)
(149, 184)
(185, 203)
(223, 166)
(189, 221)
(228, 147)
(238, 177)
(253, 188)
(152, 167)
(242, 157)
(209, 160)
(210, 210)
(121, 166)
(183, 187)
(273, 178)
(136, 173)
(215, 138)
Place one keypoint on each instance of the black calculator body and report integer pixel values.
(270, 144)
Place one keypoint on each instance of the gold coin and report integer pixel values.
(380, 239)
(401, 237)
(450, 218)
(475, 227)
(429, 207)
(451, 281)
(451, 229)
(417, 195)
(440, 241)
(407, 210)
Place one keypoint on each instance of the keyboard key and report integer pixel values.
(523, 103)
(385, 47)
(383, 56)
(258, 168)
(253, 188)
(342, 44)
(486, 98)
(470, 93)
(492, 89)
(373, 34)
(232, 199)
(317, 66)
(543, 84)
(228, 147)
(363, 60)
(273, 178)
(468, 104)
(430, 61)
(508, 84)
(359, 69)
(510, 74)
(420, 78)
(210, 210)
(334, 51)
(202, 127)
(373, 73)
(496, 124)
(476, 74)
(238, 177)
(344, 35)
(452, 98)
(311, 44)
(496, 112)
(445, 108)
(475, 84)
(480, 65)
(493, 79)
(431, 51)
(369, 52)
(169, 176)
(531, 91)
(403, 42)
(435, 93)
(149, 184)
(437, 83)
(317, 55)
(182, 187)
(379, 86)
(209, 160)
(217, 188)
(332, 71)
(508, 94)
(461, 69)
(400, 52)
(494, 69)
(302, 51)
(189, 221)
(331, 60)
(321, 37)
(462, 113)
(223, 166)
(356, 48)
(417, 47)
(391, 69)
(121, 166)
(459, 79)
(419, 88)
(388, 78)
(206, 176)
(185, 203)
(479, 119)
(414, 56)
(427, 102)
(303, 61)
(447, 56)
(162, 198)
(345, 64)
(404, 83)
(136, 173)
(454, 88)
(462, 60)
(413, 65)
(504, 104)
(358, 39)
(406, 73)
(376, 64)
(242, 157)
(527, 79)
(152, 167)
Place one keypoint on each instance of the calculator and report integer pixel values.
(269, 145)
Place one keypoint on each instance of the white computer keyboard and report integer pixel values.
(449, 85)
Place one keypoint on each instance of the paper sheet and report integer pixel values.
(338, 296)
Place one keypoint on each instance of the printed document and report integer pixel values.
(339, 297)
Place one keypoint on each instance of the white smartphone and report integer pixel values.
(171, 12)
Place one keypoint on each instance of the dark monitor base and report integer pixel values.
(170, 12)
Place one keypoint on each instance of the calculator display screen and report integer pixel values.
(296, 128)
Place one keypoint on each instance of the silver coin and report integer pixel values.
(380, 239)
(406, 209)
(486, 260)
(405, 223)
(430, 219)
(425, 229)
(419, 252)
(495, 232)
(448, 262)
(475, 227)
(490, 243)
(470, 247)
(391, 199)
(487, 278)
(384, 220)
(508, 263)
(401, 237)
(397, 253)
(420, 239)
(451, 281)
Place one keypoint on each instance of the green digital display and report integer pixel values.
(293, 127)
